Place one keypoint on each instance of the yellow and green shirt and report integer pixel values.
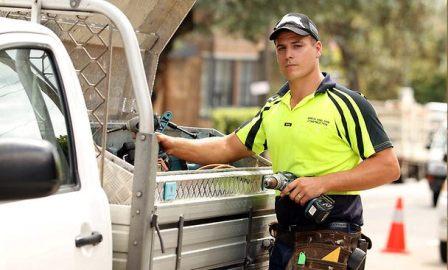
(330, 130)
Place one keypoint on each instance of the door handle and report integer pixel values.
(92, 239)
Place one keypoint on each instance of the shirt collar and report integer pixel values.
(286, 99)
(326, 84)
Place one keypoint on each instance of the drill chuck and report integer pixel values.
(278, 181)
(274, 182)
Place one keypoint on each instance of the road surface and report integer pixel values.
(420, 224)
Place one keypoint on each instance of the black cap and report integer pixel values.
(297, 23)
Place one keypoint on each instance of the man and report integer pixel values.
(327, 135)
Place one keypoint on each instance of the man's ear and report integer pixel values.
(318, 48)
(318, 45)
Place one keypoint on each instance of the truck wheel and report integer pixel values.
(435, 197)
(443, 251)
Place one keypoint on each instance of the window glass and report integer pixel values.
(227, 82)
(31, 103)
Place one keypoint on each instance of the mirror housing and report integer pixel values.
(28, 169)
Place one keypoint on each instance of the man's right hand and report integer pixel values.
(166, 143)
(304, 189)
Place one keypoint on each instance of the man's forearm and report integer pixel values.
(203, 151)
(377, 170)
(208, 150)
(370, 173)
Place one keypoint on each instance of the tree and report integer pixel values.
(382, 44)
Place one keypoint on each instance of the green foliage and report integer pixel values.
(430, 89)
(382, 45)
(63, 143)
(228, 120)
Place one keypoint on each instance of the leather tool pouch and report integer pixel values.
(357, 259)
(364, 243)
(318, 244)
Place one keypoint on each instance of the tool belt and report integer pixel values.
(336, 247)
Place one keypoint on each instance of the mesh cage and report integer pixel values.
(89, 45)
(211, 183)
(189, 185)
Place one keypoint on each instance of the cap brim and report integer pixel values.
(296, 30)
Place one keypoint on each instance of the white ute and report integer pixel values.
(40, 233)
(66, 200)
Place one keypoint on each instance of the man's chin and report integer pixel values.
(292, 76)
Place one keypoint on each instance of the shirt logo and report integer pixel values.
(318, 121)
(287, 124)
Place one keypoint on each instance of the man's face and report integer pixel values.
(297, 55)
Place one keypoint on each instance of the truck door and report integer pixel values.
(40, 98)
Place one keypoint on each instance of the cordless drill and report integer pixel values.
(316, 209)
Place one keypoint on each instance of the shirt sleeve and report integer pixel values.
(364, 131)
(252, 134)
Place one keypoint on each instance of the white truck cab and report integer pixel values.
(40, 102)
(67, 201)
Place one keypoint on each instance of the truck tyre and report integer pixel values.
(443, 251)
(435, 197)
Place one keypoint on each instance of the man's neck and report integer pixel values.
(302, 87)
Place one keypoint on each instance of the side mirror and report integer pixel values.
(28, 169)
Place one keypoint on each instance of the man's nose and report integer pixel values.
(288, 53)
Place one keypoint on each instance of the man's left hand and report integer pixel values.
(304, 189)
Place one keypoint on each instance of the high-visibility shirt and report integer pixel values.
(328, 131)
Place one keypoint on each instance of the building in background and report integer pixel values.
(208, 71)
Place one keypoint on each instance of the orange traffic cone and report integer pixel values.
(396, 241)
